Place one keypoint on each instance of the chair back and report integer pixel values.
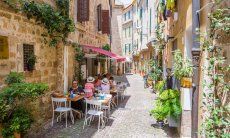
(93, 104)
(58, 102)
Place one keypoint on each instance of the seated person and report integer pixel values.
(89, 87)
(105, 86)
(75, 89)
(97, 82)
(112, 83)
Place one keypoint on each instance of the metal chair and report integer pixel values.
(94, 110)
(107, 107)
(60, 106)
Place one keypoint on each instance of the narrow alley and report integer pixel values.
(130, 120)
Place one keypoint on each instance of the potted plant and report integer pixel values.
(183, 69)
(167, 106)
(32, 59)
(171, 101)
(187, 72)
(160, 113)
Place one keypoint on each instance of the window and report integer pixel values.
(141, 13)
(129, 31)
(125, 49)
(27, 51)
(99, 16)
(4, 48)
(105, 22)
(125, 17)
(129, 15)
(83, 10)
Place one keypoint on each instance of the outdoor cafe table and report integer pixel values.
(104, 101)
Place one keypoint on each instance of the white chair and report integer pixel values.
(107, 107)
(60, 106)
(95, 110)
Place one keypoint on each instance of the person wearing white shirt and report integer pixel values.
(105, 86)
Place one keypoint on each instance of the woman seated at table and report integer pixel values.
(89, 87)
(75, 89)
(105, 86)
(112, 83)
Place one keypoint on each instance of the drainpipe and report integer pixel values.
(196, 61)
(65, 68)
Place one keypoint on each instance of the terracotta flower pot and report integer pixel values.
(17, 135)
(186, 82)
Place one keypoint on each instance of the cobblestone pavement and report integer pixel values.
(130, 120)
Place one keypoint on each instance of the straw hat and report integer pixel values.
(105, 81)
(90, 79)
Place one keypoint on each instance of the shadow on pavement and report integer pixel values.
(170, 131)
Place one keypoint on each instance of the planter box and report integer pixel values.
(172, 122)
(186, 98)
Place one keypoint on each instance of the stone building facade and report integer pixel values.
(116, 31)
(55, 65)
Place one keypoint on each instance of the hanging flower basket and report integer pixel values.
(186, 82)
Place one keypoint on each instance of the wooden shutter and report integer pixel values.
(82, 10)
(99, 17)
(105, 22)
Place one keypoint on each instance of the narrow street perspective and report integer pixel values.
(114, 68)
(131, 119)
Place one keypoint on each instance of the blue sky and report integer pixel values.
(125, 2)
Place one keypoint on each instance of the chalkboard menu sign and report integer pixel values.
(4, 48)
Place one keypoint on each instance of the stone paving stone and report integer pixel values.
(130, 120)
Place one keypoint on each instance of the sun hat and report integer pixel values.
(105, 81)
(90, 79)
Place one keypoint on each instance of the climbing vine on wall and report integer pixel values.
(79, 56)
(216, 90)
(56, 21)
(160, 36)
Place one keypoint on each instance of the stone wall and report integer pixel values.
(19, 31)
(49, 68)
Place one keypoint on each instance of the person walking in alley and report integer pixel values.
(145, 78)
(169, 79)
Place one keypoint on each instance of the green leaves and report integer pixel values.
(156, 70)
(57, 22)
(12, 115)
(167, 104)
(14, 77)
(159, 87)
(182, 67)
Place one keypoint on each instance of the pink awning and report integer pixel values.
(104, 52)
